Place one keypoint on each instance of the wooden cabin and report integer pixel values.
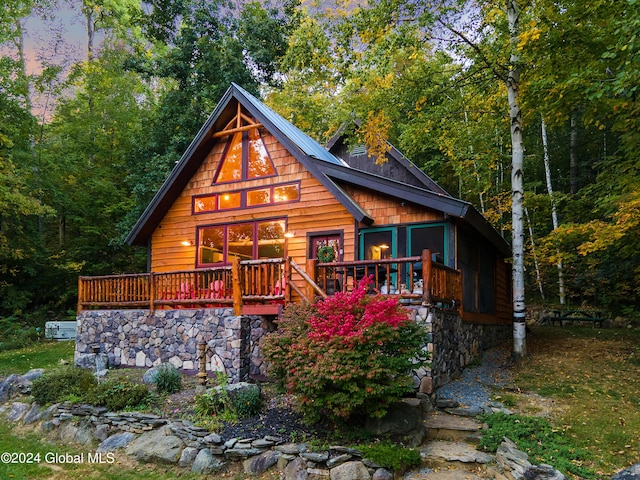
(257, 214)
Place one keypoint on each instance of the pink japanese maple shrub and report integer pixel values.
(346, 357)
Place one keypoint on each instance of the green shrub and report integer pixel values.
(168, 379)
(247, 403)
(119, 395)
(212, 408)
(390, 455)
(15, 335)
(537, 438)
(347, 356)
(206, 405)
(58, 385)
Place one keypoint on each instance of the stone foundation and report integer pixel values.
(134, 338)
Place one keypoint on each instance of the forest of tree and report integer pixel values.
(483, 95)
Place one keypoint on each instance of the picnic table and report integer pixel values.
(575, 315)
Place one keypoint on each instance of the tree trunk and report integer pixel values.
(554, 213)
(533, 253)
(517, 185)
(90, 32)
(573, 156)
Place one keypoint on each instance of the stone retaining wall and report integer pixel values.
(454, 344)
(134, 338)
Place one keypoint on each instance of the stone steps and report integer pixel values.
(447, 460)
(453, 428)
(449, 451)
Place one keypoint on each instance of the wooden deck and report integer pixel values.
(263, 287)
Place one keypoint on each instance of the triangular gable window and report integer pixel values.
(245, 156)
(259, 163)
(231, 166)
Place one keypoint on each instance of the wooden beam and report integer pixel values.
(270, 309)
(231, 131)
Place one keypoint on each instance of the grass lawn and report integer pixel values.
(593, 377)
(50, 467)
(39, 355)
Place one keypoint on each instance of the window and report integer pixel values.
(205, 203)
(219, 244)
(231, 167)
(258, 162)
(259, 196)
(286, 193)
(477, 262)
(211, 245)
(428, 237)
(377, 244)
(245, 157)
(228, 201)
(255, 197)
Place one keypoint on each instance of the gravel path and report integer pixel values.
(475, 387)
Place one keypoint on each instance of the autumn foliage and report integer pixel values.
(346, 357)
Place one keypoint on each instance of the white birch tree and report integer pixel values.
(554, 211)
(517, 183)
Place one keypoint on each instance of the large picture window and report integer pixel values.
(219, 244)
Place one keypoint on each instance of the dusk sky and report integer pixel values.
(60, 40)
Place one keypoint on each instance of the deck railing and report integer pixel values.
(417, 279)
(271, 281)
(240, 283)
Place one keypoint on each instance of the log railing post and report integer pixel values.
(152, 293)
(312, 272)
(287, 284)
(237, 286)
(80, 294)
(427, 268)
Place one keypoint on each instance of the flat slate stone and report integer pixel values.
(114, 442)
(18, 410)
(444, 474)
(241, 452)
(452, 422)
(315, 457)
(453, 452)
